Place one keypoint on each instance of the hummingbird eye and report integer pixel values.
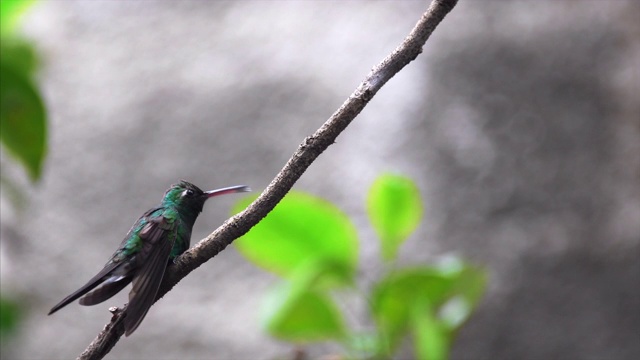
(187, 192)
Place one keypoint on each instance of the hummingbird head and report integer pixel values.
(187, 197)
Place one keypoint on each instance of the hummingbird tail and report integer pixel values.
(90, 285)
(105, 291)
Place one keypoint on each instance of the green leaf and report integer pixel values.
(455, 312)
(471, 283)
(364, 345)
(301, 316)
(14, 193)
(323, 274)
(468, 285)
(10, 13)
(22, 120)
(395, 296)
(10, 314)
(20, 55)
(301, 310)
(302, 229)
(451, 292)
(395, 210)
(432, 339)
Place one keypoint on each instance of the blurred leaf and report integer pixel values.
(364, 346)
(395, 210)
(19, 55)
(472, 283)
(10, 314)
(300, 230)
(451, 293)
(469, 283)
(323, 274)
(13, 192)
(394, 297)
(22, 120)
(469, 287)
(302, 315)
(431, 339)
(455, 312)
(10, 13)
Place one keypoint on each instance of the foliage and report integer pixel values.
(314, 247)
(23, 127)
(317, 232)
(395, 210)
(10, 314)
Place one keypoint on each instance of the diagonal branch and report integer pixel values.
(306, 153)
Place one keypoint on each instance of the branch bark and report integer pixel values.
(307, 152)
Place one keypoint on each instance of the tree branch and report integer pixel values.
(306, 153)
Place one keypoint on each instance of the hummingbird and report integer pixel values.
(155, 239)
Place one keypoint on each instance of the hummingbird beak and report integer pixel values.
(227, 190)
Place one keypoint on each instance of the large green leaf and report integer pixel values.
(22, 119)
(395, 210)
(302, 315)
(302, 229)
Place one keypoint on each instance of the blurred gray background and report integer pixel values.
(520, 122)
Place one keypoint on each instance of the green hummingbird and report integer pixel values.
(156, 238)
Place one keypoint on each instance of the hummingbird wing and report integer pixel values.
(115, 275)
(158, 236)
(121, 277)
